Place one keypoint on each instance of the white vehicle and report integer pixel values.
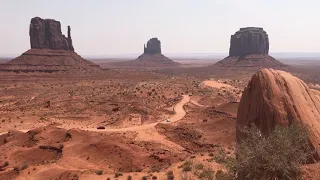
(168, 120)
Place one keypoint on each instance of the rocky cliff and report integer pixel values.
(46, 34)
(249, 40)
(275, 97)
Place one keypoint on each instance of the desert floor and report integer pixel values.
(156, 121)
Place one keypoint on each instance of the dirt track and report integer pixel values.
(179, 114)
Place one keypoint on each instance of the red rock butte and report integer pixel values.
(152, 55)
(249, 47)
(50, 50)
(274, 97)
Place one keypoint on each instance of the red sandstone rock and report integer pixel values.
(275, 97)
(46, 34)
(249, 47)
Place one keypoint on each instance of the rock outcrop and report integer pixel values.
(275, 97)
(151, 58)
(46, 34)
(50, 51)
(249, 40)
(249, 47)
(153, 46)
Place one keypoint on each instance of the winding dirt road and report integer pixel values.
(179, 114)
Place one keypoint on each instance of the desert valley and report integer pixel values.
(66, 117)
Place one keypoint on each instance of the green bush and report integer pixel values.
(129, 177)
(277, 156)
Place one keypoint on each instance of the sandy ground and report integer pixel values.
(202, 108)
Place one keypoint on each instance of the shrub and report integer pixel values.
(199, 166)
(129, 177)
(68, 135)
(206, 174)
(17, 169)
(276, 156)
(155, 169)
(170, 175)
(6, 164)
(24, 166)
(99, 172)
(144, 178)
(154, 177)
(118, 174)
(75, 177)
(187, 166)
(220, 175)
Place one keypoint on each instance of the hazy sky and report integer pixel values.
(107, 27)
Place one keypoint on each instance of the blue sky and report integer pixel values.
(105, 27)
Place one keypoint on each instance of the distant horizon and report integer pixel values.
(285, 55)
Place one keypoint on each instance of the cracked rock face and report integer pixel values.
(275, 97)
(46, 34)
(249, 40)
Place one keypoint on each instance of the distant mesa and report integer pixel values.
(151, 57)
(50, 50)
(249, 47)
(153, 46)
(274, 97)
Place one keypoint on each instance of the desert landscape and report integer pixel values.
(65, 117)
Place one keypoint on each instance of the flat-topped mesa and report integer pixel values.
(153, 46)
(46, 34)
(249, 40)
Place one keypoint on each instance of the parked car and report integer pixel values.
(101, 127)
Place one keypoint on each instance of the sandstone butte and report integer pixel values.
(152, 55)
(275, 97)
(50, 50)
(249, 47)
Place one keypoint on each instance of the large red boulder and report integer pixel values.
(275, 97)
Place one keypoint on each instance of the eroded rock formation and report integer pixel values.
(46, 34)
(275, 97)
(153, 46)
(151, 57)
(249, 47)
(249, 40)
(50, 51)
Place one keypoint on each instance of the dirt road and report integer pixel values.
(179, 114)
